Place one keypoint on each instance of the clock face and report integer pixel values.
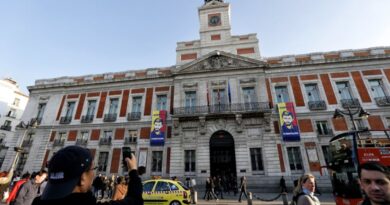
(215, 20)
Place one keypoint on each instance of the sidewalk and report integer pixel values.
(326, 199)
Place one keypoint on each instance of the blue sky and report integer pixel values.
(42, 39)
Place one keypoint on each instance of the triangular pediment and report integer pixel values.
(218, 61)
(213, 3)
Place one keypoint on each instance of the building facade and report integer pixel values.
(221, 104)
(12, 104)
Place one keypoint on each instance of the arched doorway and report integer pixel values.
(222, 155)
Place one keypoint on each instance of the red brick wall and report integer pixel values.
(188, 56)
(328, 89)
(340, 75)
(45, 158)
(314, 166)
(119, 133)
(144, 133)
(339, 124)
(115, 92)
(52, 136)
(102, 102)
(308, 77)
(168, 160)
(279, 79)
(125, 100)
(216, 37)
(119, 76)
(387, 73)
(297, 91)
(241, 51)
(80, 107)
(169, 132)
(60, 109)
(281, 160)
(360, 86)
(276, 127)
(375, 122)
(305, 125)
(271, 104)
(162, 89)
(148, 101)
(138, 90)
(95, 94)
(372, 72)
(116, 155)
(72, 96)
(95, 135)
(72, 135)
(331, 56)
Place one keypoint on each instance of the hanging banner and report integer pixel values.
(288, 122)
(157, 132)
(374, 154)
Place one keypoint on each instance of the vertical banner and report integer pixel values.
(288, 122)
(158, 128)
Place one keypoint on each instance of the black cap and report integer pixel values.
(65, 170)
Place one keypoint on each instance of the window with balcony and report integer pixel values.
(41, 110)
(28, 140)
(295, 159)
(135, 109)
(314, 98)
(102, 161)
(16, 102)
(11, 113)
(91, 106)
(219, 100)
(379, 93)
(60, 140)
(21, 162)
(161, 102)
(250, 100)
(83, 139)
(346, 97)
(326, 151)
(189, 161)
(112, 110)
(132, 138)
(68, 113)
(190, 101)
(6, 125)
(256, 159)
(323, 128)
(157, 161)
(281, 93)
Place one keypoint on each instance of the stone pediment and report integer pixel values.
(219, 60)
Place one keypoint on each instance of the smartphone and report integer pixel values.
(126, 152)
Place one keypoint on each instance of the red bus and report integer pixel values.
(346, 152)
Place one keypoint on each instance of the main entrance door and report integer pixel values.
(222, 155)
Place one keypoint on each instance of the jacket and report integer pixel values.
(306, 199)
(27, 193)
(133, 196)
(15, 190)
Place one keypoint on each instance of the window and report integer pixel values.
(136, 107)
(281, 94)
(249, 94)
(360, 125)
(69, 109)
(21, 162)
(133, 135)
(256, 159)
(41, 109)
(323, 128)
(219, 96)
(173, 187)
(113, 106)
(91, 107)
(16, 102)
(312, 92)
(107, 135)
(161, 102)
(148, 186)
(162, 186)
(190, 101)
(344, 90)
(294, 158)
(12, 113)
(189, 160)
(84, 136)
(7, 123)
(325, 151)
(157, 161)
(103, 161)
(377, 88)
(62, 136)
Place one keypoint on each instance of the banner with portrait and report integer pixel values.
(288, 122)
(158, 128)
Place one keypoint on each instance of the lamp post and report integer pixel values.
(351, 113)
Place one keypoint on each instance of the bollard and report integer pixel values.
(249, 198)
(195, 197)
(284, 198)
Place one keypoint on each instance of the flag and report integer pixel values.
(229, 93)
(207, 92)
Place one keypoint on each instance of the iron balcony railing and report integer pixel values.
(130, 140)
(6, 127)
(81, 142)
(36, 119)
(27, 143)
(86, 118)
(223, 108)
(383, 101)
(65, 120)
(317, 105)
(105, 141)
(110, 117)
(133, 116)
(325, 133)
(350, 103)
(58, 142)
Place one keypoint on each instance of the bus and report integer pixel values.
(346, 152)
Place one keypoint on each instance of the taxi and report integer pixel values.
(165, 192)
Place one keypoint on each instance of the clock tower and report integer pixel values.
(215, 34)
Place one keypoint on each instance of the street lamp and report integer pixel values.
(351, 113)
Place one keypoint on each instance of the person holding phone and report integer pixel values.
(71, 173)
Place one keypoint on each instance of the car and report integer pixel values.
(165, 192)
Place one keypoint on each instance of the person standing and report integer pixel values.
(282, 184)
(375, 182)
(242, 188)
(29, 190)
(16, 188)
(304, 192)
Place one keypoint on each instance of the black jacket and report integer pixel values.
(133, 197)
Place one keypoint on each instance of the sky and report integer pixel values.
(42, 39)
